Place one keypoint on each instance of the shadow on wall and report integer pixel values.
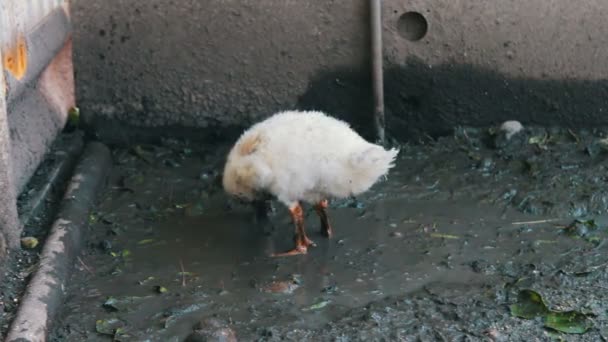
(422, 100)
(345, 94)
(419, 101)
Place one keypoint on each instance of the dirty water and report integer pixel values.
(438, 251)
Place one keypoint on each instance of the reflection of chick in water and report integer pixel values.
(304, 156)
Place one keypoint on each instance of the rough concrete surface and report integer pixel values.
(37, 88)
(226, 63)
(37, 206)
(38, 104)
(155, 63)
(557, 39)
(45, 291)
(9, 221)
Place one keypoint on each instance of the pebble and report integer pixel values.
(511, 127)
(105, 245)
(284, 287)
(396, 234)
(486, 164)
(212, 330)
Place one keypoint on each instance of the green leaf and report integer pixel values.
(74, 116)
(145, 281)
(123, 303)
(581, 228)
(317, 306)
(139, 151)
(145, 241)
(539, 139)
(29, 242)
(108, 326)
(529, 304)
(570, 322)
(160, 289)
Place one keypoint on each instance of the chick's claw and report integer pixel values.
(308, 242)
(299, 250)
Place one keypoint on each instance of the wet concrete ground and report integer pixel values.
(436, 252)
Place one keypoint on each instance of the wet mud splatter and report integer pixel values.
(438, 251)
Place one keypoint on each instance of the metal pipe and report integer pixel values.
(377, 76)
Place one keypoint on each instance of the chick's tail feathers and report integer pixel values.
(371, 164)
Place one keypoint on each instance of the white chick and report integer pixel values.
(304, 156)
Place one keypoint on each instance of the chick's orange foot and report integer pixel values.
(299, 250)
(302, 244)
(321, 209)
(302, 241)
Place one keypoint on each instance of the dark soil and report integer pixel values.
(436, 252)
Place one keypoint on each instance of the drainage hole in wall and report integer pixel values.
(412, 26)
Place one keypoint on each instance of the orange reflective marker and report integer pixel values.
(15, 59)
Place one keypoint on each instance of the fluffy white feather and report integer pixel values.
(304, 156)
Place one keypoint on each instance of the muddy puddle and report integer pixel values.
(436, 252)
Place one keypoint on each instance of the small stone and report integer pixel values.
(505, 134)
(105, 245)
(486, 164)
(208, 323)
(603, 143)
(284, 287)
(492, 334)
(29, 242)
(396, 234)
(212, 330)
(511, 127)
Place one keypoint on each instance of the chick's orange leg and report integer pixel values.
(321, 209)
(301, 240)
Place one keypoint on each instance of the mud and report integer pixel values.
(436, 252)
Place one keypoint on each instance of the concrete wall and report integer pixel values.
(36, 91)
(9, 221)
(202, 64)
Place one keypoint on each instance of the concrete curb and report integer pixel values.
(45, 291)
(61, 170)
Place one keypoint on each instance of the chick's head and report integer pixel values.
(245, 177)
